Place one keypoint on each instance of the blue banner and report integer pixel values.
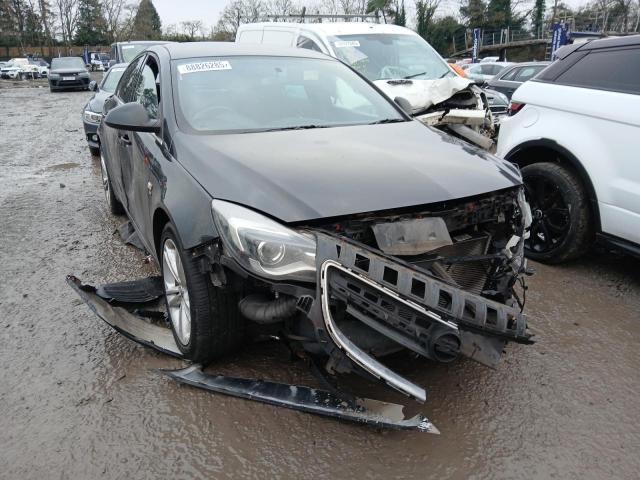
(559, 38)
(475, 48)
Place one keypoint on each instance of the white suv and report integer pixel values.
(575, 132)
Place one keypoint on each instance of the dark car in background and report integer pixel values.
(124, 52)
(277, 186)
(68, 73)
(92, 112)
(509, 79)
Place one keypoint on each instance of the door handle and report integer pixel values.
(124, 139)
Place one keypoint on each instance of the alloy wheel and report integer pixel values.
(551, 214)
(175, 287)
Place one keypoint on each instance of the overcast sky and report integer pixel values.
(176, 11)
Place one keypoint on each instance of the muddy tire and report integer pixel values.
(215, 325)
(114, 205)
(562, 226)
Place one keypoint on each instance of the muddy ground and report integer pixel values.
(77, 400)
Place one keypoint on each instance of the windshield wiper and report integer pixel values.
(387, 120)
(297, 127)
(414, 75)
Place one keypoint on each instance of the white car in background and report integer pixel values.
(399, 62)
(575, 132)
(19, 68)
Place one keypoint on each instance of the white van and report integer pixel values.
(399, 62)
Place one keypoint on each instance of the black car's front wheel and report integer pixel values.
(205, 320)
(562, 227)
(115, 207)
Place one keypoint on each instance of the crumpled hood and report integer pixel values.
(329, 172)
(423, 93)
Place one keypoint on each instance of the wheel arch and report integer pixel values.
(529, 152)
(160, 219)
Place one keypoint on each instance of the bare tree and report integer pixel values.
(280, 9)
(192, 27)
(68, 17)
(113, 12)
(238, 12)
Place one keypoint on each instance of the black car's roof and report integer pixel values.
(223, 49)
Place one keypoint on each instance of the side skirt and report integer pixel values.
(305, 399)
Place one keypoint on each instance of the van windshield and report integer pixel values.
(390, 56)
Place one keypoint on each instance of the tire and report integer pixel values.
(95, 151)
(562, 226)
(115, 207)
(216, 326)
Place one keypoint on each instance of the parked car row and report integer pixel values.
(23, 68)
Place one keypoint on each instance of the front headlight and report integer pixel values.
(92, 117)
(53, 76)
(263, 246)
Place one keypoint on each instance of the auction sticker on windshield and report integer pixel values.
(346, 43)
(204, 66)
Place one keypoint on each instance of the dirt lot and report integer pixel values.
(80, 401)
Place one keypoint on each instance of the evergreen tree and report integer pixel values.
(91, 23)
(147, 24)
(538, 16)
(474, 12)
(442, 33)
(401, 15)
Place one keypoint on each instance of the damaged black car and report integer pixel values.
(279, 188)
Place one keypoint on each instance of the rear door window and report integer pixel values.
(616, 70)
(511, 75)
(527, 73)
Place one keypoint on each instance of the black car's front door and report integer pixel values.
(143, 153)
(114, 149)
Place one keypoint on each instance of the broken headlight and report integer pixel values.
(263, 246)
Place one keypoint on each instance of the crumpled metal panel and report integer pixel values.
(306, 399)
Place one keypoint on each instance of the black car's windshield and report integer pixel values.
(274, 93)
(112, 78)
(130, 50)
(67, 62)
(390, 56)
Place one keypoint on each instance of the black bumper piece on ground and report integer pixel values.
(135, 310)
(311, 400)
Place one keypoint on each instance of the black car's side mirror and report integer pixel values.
(93, 86)
(405, 105)
(132, 117)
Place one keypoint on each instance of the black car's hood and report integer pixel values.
(309, 174)
(97, 101)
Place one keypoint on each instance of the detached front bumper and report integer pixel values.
(409, 307)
